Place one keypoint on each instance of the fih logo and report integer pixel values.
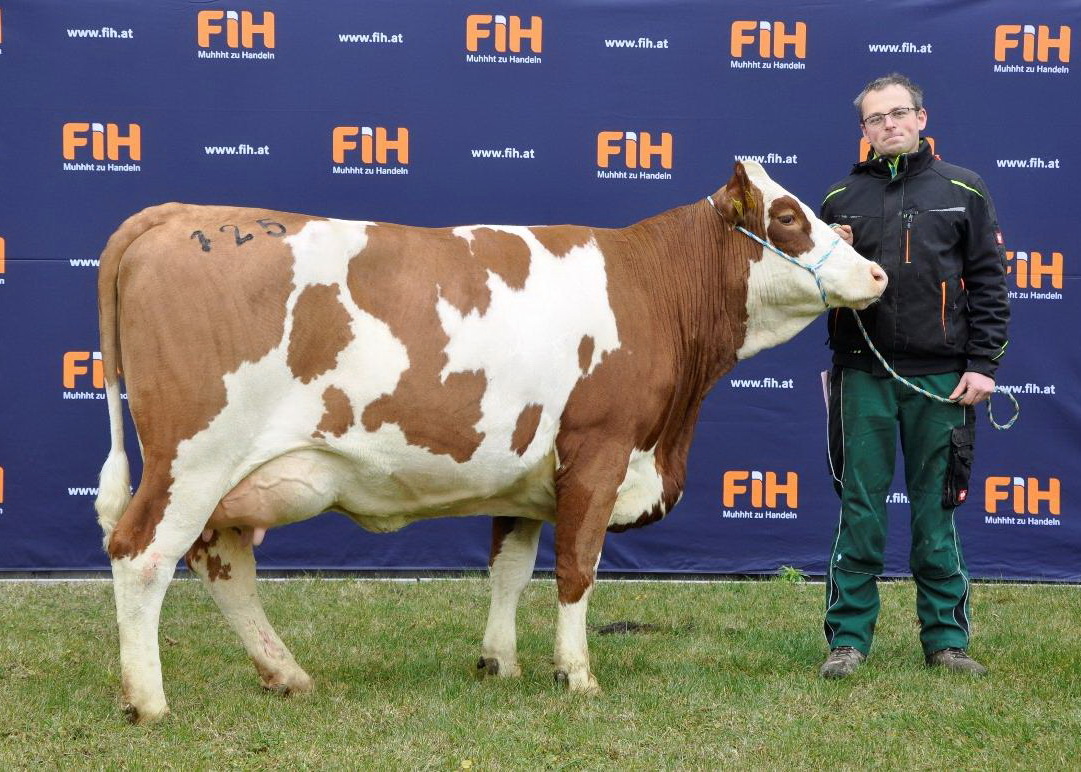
(1035, 42)
(3, 251)
(78, 364)
(772, 38)
(105, 140)
(505, 32)
(1031, 268)
(1, 485)
(239, 27)
(636, 147)
(373, 144)
(1024, 494)
(763, 489)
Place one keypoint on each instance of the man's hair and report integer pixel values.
(893, 79)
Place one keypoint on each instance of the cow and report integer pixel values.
(281, 365)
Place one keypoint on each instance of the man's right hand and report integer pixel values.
(844, 232)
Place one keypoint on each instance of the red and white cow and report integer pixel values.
(280, 365)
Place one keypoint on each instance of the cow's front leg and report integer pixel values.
(514, 553)
(585, 495)
(224, 560)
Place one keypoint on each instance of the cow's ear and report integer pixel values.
(734, 198)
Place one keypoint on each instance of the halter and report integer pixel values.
(813, 269)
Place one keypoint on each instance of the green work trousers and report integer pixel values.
(865, 414)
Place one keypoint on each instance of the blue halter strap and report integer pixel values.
(813, 269)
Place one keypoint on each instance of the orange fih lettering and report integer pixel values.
(1024, 494)
(506, 32)
(637, 148)
(1030, 269)
(1, 485)
(105, 140)
(240, 28)
(75, 364)
(1035, 42)
(763, 489)
(772, 38)
(3, 249)
(373, 144)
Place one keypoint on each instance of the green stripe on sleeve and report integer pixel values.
(960, 184)
(833, 193)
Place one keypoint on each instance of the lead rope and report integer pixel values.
(924, 392)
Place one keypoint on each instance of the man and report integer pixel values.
(942, 325)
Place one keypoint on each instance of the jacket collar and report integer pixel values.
(905, 165)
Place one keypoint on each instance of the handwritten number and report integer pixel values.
(204, 242)
(266, 223)
(270, 228)
(236, 234)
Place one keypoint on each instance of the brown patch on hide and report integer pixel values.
(504, 254)
(789, 229)
(320, 332)
(677, 284)
(399, 278)
(585, 353)
(200, 551)
(501, 529)
(186, 318)
(337, 415)
(526, 428)
(561, 239)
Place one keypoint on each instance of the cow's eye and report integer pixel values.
(787, 219)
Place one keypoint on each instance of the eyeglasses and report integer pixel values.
(897, 114)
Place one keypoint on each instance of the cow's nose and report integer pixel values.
(878, 275)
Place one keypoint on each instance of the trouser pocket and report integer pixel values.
(959, 465)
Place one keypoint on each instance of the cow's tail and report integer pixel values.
(114, 487)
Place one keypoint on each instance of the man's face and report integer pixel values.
(892, 135)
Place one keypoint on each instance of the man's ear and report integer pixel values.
(734, 199)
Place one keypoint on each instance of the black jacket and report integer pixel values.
(932, 226)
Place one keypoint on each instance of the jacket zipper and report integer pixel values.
(908, 235)
(946, 337)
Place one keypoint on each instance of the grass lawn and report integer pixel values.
(727, 678)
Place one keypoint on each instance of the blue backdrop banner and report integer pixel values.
(433, 113)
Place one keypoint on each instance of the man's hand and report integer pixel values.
(845, 233)
(973, 388)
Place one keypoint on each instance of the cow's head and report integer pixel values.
(799, 268)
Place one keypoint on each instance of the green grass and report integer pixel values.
(725, 679)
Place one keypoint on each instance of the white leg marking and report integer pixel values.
(511, 572)
(139, 585)
(572, 649)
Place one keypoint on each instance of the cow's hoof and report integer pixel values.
(290, 689)
(143, 717)
(490, 667)
(286, 681)
(586, 685)
(297, 684)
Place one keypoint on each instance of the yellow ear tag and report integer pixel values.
(738, 206)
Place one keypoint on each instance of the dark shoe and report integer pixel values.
(841, 662)
(956, 660)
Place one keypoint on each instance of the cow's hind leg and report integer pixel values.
(144, 548)
(514, 552)
(224, 560)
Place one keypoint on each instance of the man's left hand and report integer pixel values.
(973, 388)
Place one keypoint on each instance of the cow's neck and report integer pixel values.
(703, 269)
